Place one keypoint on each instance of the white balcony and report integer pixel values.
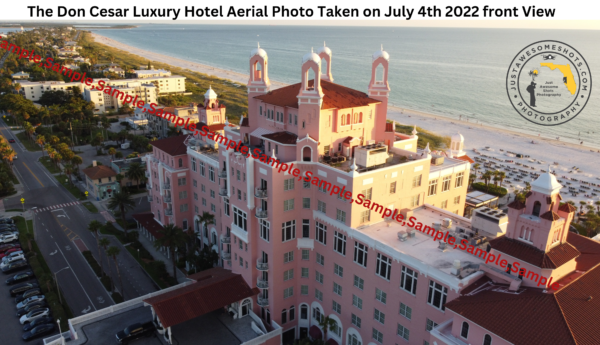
(147, 173)
(167, 186)
(262, 266)
(148, 186)
(223, 174)
(306, 243)
(168, 212)
(150, 198)
(226, 256)
(166, 199)
(260, 193)
(262, 284)
(261, 301)
(225, 239)
(260, 214)
(223, 192)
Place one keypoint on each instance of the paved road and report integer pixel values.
(57, 228)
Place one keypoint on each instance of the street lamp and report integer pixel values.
(62, 339)
(56, 279)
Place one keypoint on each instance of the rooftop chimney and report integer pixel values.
(94, 163)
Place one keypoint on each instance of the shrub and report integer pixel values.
(490, 189)
(105, 280)
(39, 272)
(132, 236)
(93, 263)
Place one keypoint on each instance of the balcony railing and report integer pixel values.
(262, 284)
(167, 186)
(150, 198)
(148, 186)
(225, 239)
(261, 301)
(226, 256)
(260, 214)
(262, 266)
(166, 199)
(223, 192)
(169, 212)
(147, 173)
(260, 193)
(223, 174)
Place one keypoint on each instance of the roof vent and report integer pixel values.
(402, 236)
(442, 246)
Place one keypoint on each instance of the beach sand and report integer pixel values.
(477, 136)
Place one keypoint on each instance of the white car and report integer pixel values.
(14, 255)
(8, 238)
(34, 314)
(11, 260)
(32, 299)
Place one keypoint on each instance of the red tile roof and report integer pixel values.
(589, 249)
(566, 207)
(465, 158)
(282, 137)
(550, 215)
(98, 172)
(173, 146)
(149, 223)
(554, 258)
(335, 96)
(517, 205)
(213, 289)
(528, 194)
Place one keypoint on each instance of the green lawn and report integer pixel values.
(29, 145)
(90, 207)
(47, 162)
(14, 210)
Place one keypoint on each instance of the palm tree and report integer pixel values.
(69, 169)
(119, 178)
(487, 176)
(472, 178)
(206, 219)
(501, 176)
(94, 226)
(476, 167)
(112, 152)
(582, 203)
(76, 161)
(114, 251)
(590, 208)
(41, 140)
(136, 172)
(172, 238)
(123, 201)
(327, 324)
(598, 205)
(104, 243)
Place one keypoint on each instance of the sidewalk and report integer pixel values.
(158, 255)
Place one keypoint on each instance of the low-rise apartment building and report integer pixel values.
(101, 181)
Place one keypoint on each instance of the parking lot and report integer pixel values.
(10, 328)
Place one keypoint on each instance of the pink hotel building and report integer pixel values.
(312, 255)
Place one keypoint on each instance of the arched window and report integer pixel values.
(353, 340)
(304, 312)
(317, 314)
(487, 340)
(214, 238)
(360, 118)
(180, 162)
(283, 316)
(337, 330)
(464, 332)
(185, 224)
(348, 120)
(355, 118)
(522, 234)
(246, 306)
(292, 313)
(343, 120)
(306, 154)
(536, 208)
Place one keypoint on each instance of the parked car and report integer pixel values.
(34, 314)
(31, 307)
(9, 232)
(8, 226)
(22, 288)
(38, 331)
(11, 141)
(28, 293)
(19, 277)
(135, 331)
(15, 266)
(16, 249)
(7, 221)
(6, 247)
(37, 322)
(28, 301)
(8, 260)
(8, 238)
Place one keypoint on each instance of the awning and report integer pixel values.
(315, 332)
(331, 342)
(259, 132)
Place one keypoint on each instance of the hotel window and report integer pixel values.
(341, 216)
(260, 110)
(193, 164)
(457, 200)
(295, 120)
(384, 266)
(305, 228)
(305, 254)
(304, 272)
(283, 314)
(444, 204)
(212, 194)
(304, 291)
(288, 257)
(377, 335)
(367, 193)
(183, 208)
(323, 186)
(464, 331)
(239, 194)
(403, 332)
(290, 117)
(195, 183)
(337, 289)
(357, 301)
(487, 340)
(306, 203)
(408, 280)
(213, 208)
(226, 208)
(203, 188)
(459, 179)
(359, 282)
(326, 150)
(417, 180)
(180, 162)
(195, 196)
(321, 233)
(288, 184)
(181, 181)
(437, 295)
(405, 311)
(393, 188)
(237, 173)
(365, 216)
(292, 309)
(320, 259)
(339, 242)
(343, 120)
(202, 169)
(264, 229)
(289, 274)
(360, 254)
(182, 195)
(203, 202)
(196, 209)
(380, 296)
(211, 174)
(338, 270)
(356, 321)
(379, 316)
(430, 325)
(446, 183)
(337, 308)
(414, 201)
(239, 218)
(319, 277)
(432, 188)
(306, 184)
(288, 205)
(288, 230)
(318, 296)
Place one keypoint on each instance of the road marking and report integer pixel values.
(87, 310)
(33, 174)
(54, 252)
(82, 288)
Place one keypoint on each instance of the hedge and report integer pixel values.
(93, 263)
(490, 189)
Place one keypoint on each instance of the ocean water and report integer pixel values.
(448, 72)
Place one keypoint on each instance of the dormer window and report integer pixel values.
(536, 208)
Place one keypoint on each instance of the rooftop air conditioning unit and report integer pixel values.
(402, 236)
(456, 268)
(407, 213)
(412, 233)
(437, 226)
(447, 223)
(437, 160)
(442, 246)
(370, 142)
